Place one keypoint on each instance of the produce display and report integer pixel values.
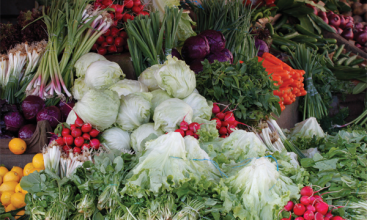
(197, 130)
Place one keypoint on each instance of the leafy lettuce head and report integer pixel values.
(143, 134)
(199, 105)
(85, 61)
(147, 77)
(307, 129)
(127, 86)
(79, 89)
(99, 108)
(159, 96)
(134, 110)
(170, 113)
(176, 77)
(116, 140)
(103, 74)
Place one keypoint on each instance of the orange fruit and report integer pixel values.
(38, 161)
(11, 176)
(18, 170)
(3, 170)
(1, 180)
(17, 146)
(17, 200)
(18, 188)
(8, 187)
(5, 198)
(10, 208)
(35, 169)
(27, 169)
(24, 191)
(20, 214)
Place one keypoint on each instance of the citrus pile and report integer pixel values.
(11, 194)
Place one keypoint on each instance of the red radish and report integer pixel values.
(107, 2)
(144, 13)
(119, 41)
(184, 126)
(86, 136)
(114, 32)
(100, 40)
(223, 136)
(136, 9)
(126, 47)
(299, 209)
(94, 47)
(336, 218)
(194, 127)
(65, 131)
(112, 16)
(118, 16)
(299, 218)
(129, 3)
(69, 140)
(326, 218)
(215, 109)
(311, 208)
(107, 33)
(289, 206)
(78, 121)
(66, 148)
(137, 2)
(60, 141)
(181, 132)
(220, 115)
(306, 191)
(329, 215)
(112, 49)
(317, 199)
(123, 34)
(94, 133)
(196, 136)
(231, 128)
(119, 9)
(308, 215)
(284, 219)
(97, 5)
(189, 133)
(229, 117)
(109, 40)
(223, 130)
(120, 49)
(305, 200)
(94, 143)
(322, 207)
(113, 6)
(76, 132)
(225, 123)
(85, 147)
(77, 150)
(72, 126)
(127, 17)
(104, 45)
(79, 141)
(87, 127)
(219, 122)
(319, 216)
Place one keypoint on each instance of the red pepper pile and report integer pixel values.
(80, 136)
(289, 80)
(115, 40)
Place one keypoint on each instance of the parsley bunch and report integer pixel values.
(245, 85)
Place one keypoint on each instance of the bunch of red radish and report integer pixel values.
(80, 136)
(226, 122)
(115, 40)
(187, 129)
(311, 207)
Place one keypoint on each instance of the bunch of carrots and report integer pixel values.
(289, 80)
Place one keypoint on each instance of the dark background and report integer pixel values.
(10, 9)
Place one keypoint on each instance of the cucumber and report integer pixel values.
(321, 23)
(304, 39)
(311, 45)
(302, 30)
(281, 21)
(319, 44)
(341, 61)
(338, 52)
(270, 28)
(287, 27)
(355, 66)
(281, 41)
(281, 34)
(274, 47)
(349, 60)
(291, 35)
(329, 40)
(357, 61)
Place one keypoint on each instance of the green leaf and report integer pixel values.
(306, 23)
(326, 164)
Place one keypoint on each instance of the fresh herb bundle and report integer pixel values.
(245, 86)
(233, 19)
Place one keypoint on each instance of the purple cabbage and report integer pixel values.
(52, 114)
(196, 47)
(27, 131)
(53, 137)
(31, 106)
(261, 46)
(65, 109)
(216, 40)
(196, 65)
(13, 121)
(220, 56)
(176, 54)
(228, 53)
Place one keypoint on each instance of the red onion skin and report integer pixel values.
(359, 46)
(348, 34)
(362, 38)
(336, 29)
(334, 20)
(323, 16)
(359, 25)
(339, 30)
(349, 25)
(312, 7)
(329, 13)
(342, 22)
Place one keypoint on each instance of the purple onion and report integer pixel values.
(216, 40)
(196, 47)
(334, 20)
(13, 121)
(52, 114)
(31, 106)
(27, 131)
